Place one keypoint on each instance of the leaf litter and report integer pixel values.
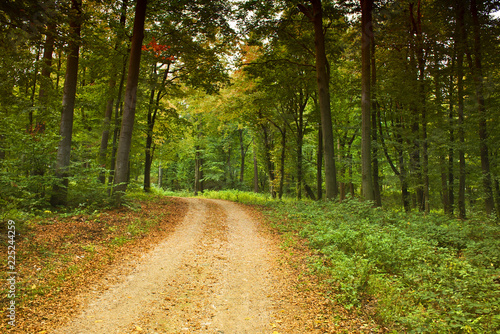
(66, 260)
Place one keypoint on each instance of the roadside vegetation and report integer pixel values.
(423, 273)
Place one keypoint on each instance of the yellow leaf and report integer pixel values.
(137, 328)
(98, 321)
(33, 287)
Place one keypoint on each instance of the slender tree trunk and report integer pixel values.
(269, 165)
(497, 194)
(282, 162)
(483, 131)
(451, 153)
(33, 90)
(423, 107)
(149, 142)
(342, 154)
(116, 130)
(108, 113)
(124, 144)
(255, 171)
(45, 82)
(160, 176)
(374, 109)
(319, 164)
(300, 144)
(197, 171)
(242, 153)
(60, 190)
(416, 111)
(367, 191)
(323, 82)
(460, 46)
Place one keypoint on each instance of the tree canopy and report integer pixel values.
(393, 102)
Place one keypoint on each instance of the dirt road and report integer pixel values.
(216, 273)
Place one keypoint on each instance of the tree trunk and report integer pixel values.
(319, 164)
(108, 113)
(242, 153)
(105, 131)
(483, 131)
(45, 82)
(255, 171)
(367, 191)
(300, 154)
(116, 130)
(374, 110)
(197, 171)
(267, 153)
(282, 162)
(460, 46)
(423, 107)
(323, 83)
(60, 189)
(416, 113)
(160, 176)
(124, 144)
(451, 153)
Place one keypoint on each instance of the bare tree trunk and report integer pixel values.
(282, 162)
(197, 171)
(374, 110)
(109, 104)
(45, 82)
(323, 82)
(367, 191)
(451, 153)
(423, 107)
(242, 153)
(300, 154)
(255, 171)
(460, 46)
(124, 144)
(116, 130)
(319, 164)
(60, 190)
(483, 131)
(269, 164)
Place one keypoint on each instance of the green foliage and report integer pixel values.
(238, 196)
(428, 273)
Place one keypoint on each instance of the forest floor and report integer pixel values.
(209, 266)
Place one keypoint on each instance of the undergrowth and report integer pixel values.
(425, 273)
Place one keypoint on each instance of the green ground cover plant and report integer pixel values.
(425, 273)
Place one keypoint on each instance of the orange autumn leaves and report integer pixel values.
(159, 50)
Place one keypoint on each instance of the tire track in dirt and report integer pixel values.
(119, 306)
(211, 275)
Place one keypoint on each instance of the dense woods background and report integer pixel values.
(391, 101)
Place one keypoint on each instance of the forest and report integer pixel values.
(391, 102)
(388, 109)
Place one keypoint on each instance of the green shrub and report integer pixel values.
(428, 273)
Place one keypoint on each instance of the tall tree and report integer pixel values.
(366, 159)
(111, 98)
(460, 45)
(125, 141)
(477, 73)
(60, 190)
(315, 14)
